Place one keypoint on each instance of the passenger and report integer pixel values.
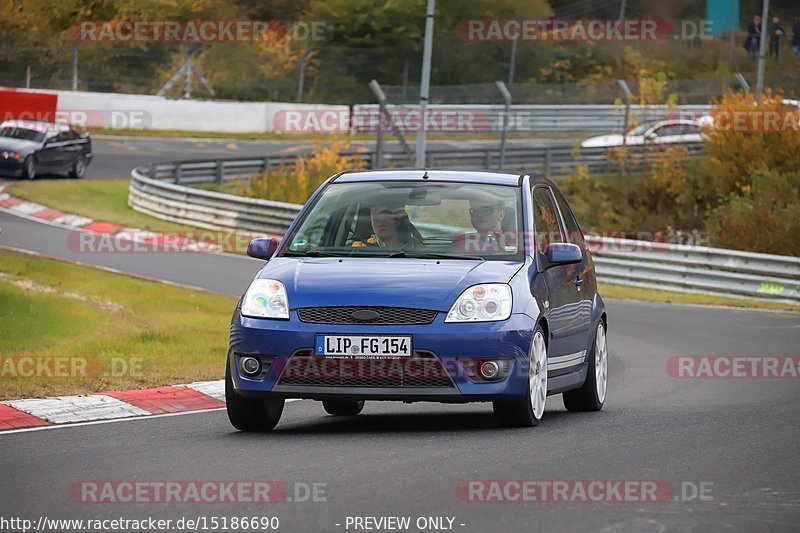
(391, 229)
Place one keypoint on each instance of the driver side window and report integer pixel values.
(545, 219)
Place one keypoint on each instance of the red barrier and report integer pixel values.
(22, 105)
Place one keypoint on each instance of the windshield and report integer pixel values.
(21, 133)
(404, 219)
(639, 130)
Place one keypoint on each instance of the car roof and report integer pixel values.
(673, 122)
(36, 125)
(493, 177)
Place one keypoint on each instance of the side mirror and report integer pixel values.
(560, 253)
(262, 248)
(652, 136)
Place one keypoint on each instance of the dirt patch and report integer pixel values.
(31, 286)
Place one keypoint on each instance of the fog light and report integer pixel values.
(250, 366)
(489, 370)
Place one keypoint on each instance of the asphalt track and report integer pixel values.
(737, 436)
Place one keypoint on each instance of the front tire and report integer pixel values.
(592, 395)
(29, 168)
(250, 414)
(78, 168)
(343, 407)
(528, 410)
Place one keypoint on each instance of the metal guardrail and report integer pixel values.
(523, 118)
(198, 172)
(555, 161)
(621, 261)
(552, 160)
(207, 209)
(696, 269)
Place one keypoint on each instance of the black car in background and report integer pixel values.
(30, 148)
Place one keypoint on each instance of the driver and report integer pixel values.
(486, 216)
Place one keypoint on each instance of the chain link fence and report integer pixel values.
(339, 75)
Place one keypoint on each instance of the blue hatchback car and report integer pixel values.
(412, 285)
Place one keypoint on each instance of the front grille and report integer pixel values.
(420, 370)
(385, 315)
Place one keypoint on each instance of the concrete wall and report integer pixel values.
(144, 112)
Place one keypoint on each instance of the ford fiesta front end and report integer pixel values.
(419, 286)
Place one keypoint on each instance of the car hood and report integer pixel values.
(615, 139)
(401, 282)
(17, 145)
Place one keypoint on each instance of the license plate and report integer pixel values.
(363, 346)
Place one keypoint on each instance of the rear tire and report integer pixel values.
(343, 407)
(250, 414)
(29, 168)
(592, 395)
(528, 410)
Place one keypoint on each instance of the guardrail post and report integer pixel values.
(507, 98)
(220, 171)
(151, 171)
(178, 170)
(380, 96)
(265, 165)
(626, 91)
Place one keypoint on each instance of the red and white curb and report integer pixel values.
(77, 222)
(201, 395)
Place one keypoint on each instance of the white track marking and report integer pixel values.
(215, 389)
(100, 422)
(66, 409)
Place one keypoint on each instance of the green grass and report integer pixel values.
(622, 292)
(160, 334)
(104, 199)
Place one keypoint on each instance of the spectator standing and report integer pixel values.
(775, 32)
(753, 38)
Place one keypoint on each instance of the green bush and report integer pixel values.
(766, 218)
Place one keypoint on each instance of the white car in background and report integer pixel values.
(661, 132)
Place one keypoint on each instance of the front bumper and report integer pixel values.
(11, 168)
(280, 342)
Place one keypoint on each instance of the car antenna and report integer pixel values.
(425, 176)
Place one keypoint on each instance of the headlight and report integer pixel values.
(11, 155)
(266, 298)
(482, 303)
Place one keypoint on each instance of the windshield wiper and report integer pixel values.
(434, 255)
(315, 253)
